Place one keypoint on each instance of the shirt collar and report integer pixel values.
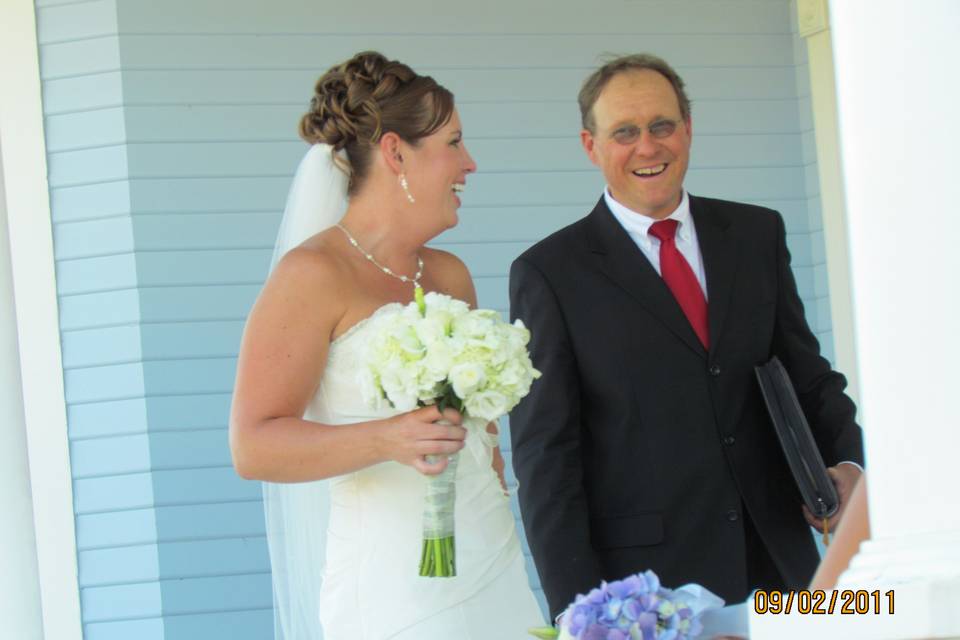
(638, 224)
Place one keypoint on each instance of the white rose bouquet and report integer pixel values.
(437, 350)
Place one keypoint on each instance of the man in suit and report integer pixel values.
(646, 443)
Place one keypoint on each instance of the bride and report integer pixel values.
(344, 484)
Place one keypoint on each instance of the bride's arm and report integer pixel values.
(455, 280)
(853, 530)
(282, 358)
(498, 463)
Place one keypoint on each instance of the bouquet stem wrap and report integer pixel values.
(438, 559)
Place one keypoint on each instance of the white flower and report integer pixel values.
(399, 387)
(498, 346)
(407, 340)
(439, 360)
(449, 350)
(433, 328)
(512, 374)
(488, 405)
(441, 302)
(476, 324)
(466, 378)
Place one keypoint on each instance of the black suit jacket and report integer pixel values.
(638, 449)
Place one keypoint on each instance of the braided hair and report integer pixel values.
(357, 101)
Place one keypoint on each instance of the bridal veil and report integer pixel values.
(297, 514)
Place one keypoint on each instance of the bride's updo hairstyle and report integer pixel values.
(357, 101)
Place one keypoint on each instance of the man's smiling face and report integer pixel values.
(644, 172)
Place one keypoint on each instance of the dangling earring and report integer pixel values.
(406, 188)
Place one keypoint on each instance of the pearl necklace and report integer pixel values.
(415, 279)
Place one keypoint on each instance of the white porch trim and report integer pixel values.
(35, 296)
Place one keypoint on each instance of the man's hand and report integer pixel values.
(844, 476)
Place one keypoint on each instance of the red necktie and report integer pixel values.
(681, 280)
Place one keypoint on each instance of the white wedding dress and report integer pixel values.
(370, 588)
(345, 552)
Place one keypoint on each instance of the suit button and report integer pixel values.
(729, 440)
(732, 515)
(714, 370)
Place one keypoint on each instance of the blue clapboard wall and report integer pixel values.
(171, 138)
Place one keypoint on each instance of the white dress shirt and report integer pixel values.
(638, 226)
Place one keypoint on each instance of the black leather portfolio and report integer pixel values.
(797, 441)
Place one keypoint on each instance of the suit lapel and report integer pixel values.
(719, 250)
(625, 264)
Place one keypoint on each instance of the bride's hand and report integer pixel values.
(410, 437)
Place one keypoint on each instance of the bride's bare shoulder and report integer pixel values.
(318, 260)
(450, 274)
(313, 280)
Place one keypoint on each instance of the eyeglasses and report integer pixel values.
(659, 129)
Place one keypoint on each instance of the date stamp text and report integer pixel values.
(844, 602)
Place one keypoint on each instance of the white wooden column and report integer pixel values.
(19, 584)
(814, 26)
(29, 253)
(896, 69)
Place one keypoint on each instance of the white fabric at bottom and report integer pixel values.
(498, 611)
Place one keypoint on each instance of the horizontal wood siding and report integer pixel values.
(97, 282)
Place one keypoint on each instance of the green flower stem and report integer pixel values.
(438, 558)
(420, 300)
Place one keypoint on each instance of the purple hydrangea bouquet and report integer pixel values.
(635, 608)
